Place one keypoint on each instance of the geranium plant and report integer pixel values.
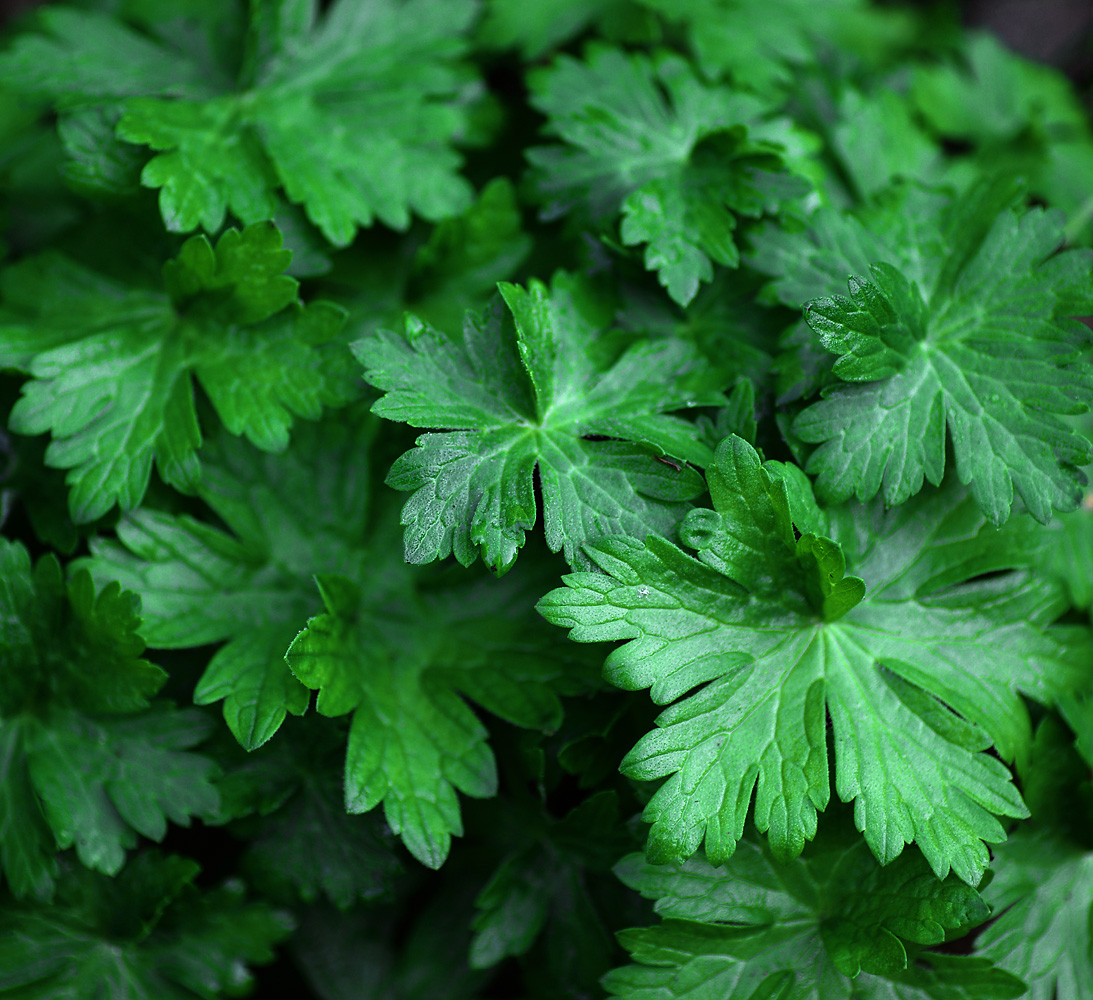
(543, 499)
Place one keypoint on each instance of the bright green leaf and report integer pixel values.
(402, 662)
(992, 358)
(759, 639)
(958, 321)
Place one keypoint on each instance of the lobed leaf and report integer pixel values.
(523, 395)
(758, 639)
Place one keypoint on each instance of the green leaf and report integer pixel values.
(345, 956)
(400, 660)
(538, 28)
(1043, 893)
(834, 923)
(99, 164)
(992, 358)
(392, 647)
(111, 365)
(313, 846)
(348, 113)
(512, 909)
(729, 326)
(1057, 781)
(526, 393)
(80, 58)
(100, 781)
(27, 842)
(85, 761)
(878, 140)
(993, 93)
(754, 641)
(1042, 890)
(939, 285)
(674, 154)
(920, 231)
(289, 516)
(1069, 557)
(148, 934)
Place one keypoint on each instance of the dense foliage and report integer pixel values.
(394, 389)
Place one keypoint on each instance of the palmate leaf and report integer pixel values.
(403, 662)
(349, 113)
(111, 366)
(754, 641)
(290, 516)
(394, 648)
(147, 934)
(86, 760)
(832, 924)
(679, 158)
(910, 226)
(964, 328)
(526, 393)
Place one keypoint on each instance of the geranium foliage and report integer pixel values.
(509, 500)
